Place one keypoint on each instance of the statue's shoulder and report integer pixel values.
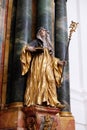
(33, 42)
(36, 43)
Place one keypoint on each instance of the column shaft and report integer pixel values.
(11, 50)
(44, 14)
(61, 40)
(22, 35)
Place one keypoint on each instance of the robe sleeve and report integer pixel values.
(57, 71)
(25, 60)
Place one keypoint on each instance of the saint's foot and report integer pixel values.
(61, 106)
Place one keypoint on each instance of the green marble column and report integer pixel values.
(61, 39)
(11, 50)
(44, 14)
(22, 35)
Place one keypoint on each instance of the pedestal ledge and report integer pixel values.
(41, 109)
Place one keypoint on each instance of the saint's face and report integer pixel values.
(42, 33)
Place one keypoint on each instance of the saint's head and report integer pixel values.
(44, 36)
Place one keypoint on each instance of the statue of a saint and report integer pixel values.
(43, 69)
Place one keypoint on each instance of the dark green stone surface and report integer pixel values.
(61, 40)
(44, 14)
(22, 35)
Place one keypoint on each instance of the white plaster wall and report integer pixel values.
(77, 11)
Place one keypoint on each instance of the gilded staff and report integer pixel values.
(72, 27)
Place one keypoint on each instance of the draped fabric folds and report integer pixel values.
(44, 74)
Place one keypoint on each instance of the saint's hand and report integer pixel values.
(63, 62)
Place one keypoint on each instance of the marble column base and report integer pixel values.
(67, 123)
(34, 118)
(12, 119)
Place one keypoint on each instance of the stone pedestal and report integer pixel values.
(34, 118)
(42, 118)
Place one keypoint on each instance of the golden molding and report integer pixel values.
(65, 114)
(15, 104)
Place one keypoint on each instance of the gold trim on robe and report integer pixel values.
(44, 75)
